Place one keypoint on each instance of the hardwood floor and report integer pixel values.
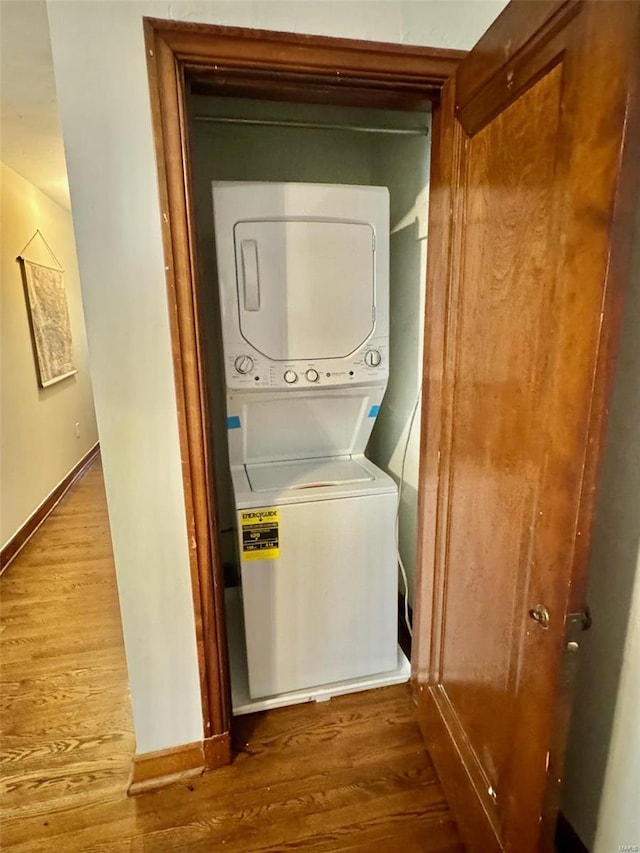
(347, 775)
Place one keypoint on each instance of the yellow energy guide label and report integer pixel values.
(260, 534)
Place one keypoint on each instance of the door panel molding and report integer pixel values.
(502, 90)
(453, 759)
(512, 38)
(492, 771)
(446, 147)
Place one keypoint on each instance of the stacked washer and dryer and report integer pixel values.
(303, 273)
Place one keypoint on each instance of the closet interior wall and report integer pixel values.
(402, 164)
(244, 152)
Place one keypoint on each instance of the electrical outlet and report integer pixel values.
(78, 430)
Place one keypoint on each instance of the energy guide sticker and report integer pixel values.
(260, 534)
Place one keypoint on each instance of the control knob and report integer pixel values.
(290, 376)
(372, 357)
(243, 364)
(312, 375)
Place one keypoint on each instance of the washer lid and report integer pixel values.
(305, 287)
(306, 474)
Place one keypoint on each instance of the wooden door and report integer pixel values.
(534, 177)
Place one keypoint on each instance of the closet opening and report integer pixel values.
(281, 78)
(258, 141)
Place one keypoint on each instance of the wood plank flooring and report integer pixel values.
(347, 775)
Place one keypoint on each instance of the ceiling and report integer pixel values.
(31, 139)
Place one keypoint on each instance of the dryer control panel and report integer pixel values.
(245, 368)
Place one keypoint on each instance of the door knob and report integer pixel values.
(540, 614)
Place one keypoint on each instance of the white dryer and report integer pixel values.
(303, 279)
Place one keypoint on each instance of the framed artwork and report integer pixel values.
(49, 319)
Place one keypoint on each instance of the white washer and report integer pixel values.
(323, 610)
(303, 279)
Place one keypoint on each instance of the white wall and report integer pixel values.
(39, 443)
(448, 23)
(600, 749)
(403, 165)
(99, 61)
(101, 79)
(31, 141)
(619, 812)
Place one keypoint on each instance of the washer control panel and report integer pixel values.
(246, 368)
(244, 364)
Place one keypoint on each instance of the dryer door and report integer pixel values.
(306, 288)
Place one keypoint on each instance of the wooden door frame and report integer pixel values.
(242, 62)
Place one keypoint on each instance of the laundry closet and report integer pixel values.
(313, 400)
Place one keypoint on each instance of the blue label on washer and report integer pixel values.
(373, 411)
(233, 422)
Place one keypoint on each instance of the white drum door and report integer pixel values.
(306, 288)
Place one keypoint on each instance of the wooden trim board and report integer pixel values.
(152, 770)
(278, 66)
(22, 536)
(217, 751)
